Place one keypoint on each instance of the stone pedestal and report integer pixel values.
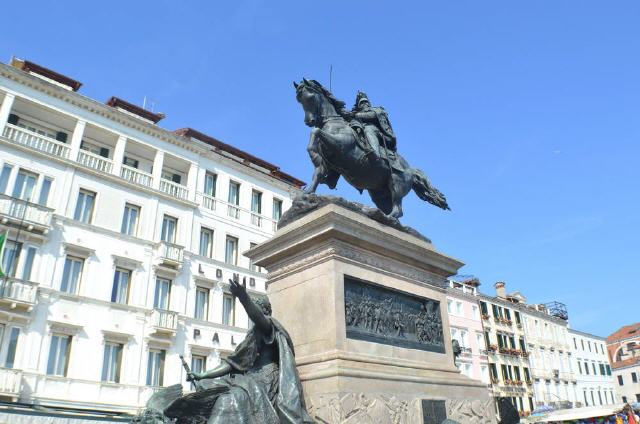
(365, 306)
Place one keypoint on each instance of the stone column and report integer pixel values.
(192, 181)
(5, 110)
(76, 139)
(158, 162)
(118, 154)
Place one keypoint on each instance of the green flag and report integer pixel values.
(3, 239)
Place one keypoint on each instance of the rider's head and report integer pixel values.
(264, 304)
(362, 101)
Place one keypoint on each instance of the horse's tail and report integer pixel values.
(423, 188)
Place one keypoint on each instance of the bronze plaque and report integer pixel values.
(382, 315)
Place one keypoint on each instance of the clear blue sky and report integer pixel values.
(526, 114)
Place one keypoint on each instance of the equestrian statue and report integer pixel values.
(359, 145)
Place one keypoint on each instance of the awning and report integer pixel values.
(578, 413)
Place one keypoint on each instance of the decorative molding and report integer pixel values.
(126, 262)
(77, 250)
(64, 327)
(470, 411)
(355, 408)
(117, 336)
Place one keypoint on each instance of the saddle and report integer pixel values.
(386, 155)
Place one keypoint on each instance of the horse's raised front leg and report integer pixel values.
(396, 196)
(319, 167)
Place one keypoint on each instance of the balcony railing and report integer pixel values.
(256, 219)
(15, 290)
(233, 211)
(23, 211)
(171, 252)
(136, 176)
(91, 160)
(164, 320)
(10, 381)
(174, 189)
(36, 141)
(207, 202)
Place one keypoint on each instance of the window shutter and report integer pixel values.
(13, 119)
(61, 136)
(104, 152)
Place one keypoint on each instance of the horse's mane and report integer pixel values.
(338, 104)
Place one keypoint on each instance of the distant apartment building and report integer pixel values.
(591, 368)
(122, 237)
(550, 354)
(623, 348)
(466, 326)
(508, 355)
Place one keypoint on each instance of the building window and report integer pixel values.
(575, 344)
(4, 177)
(580, 367)
(634, 377)
(12, 347)
(206, 242)
(44, 191)
(517, 314)
(11, 258)
(130, 220)
(25, 183)
(202, 303)
(256, 207)
(111, 362)
(494, 372)
(624, 399)
(84, 206)
(620, 381)
(161, 295)
(169, 225)
(210, 180)
(234, 200)
(474, 312)
(231, 251)
(608, 367)
(71, 274)
(155, 367)
(228, 313)
(198, 363)
(27, 267)
(120, 290)
(59, 355)
(252, 266)
(277, 209)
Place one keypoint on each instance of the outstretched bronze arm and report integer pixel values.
(253, 311)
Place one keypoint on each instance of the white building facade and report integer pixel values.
(550, 357)
(466, 327)
(592, 369)
(122, 236)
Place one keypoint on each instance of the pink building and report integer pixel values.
(466, 326)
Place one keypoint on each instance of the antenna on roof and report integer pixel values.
(330, 75)
(144, 103)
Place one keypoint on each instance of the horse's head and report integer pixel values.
(310, 100)
(317, 102)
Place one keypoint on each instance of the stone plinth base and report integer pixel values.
(364, 304)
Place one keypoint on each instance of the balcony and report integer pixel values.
(97, 162)
(174, 189)
(136, 176)
(10, 382)
(207, 202)
(36, 141)
(30, 216)
(18, 294)
(164, 322)
(170, 255)
(233, 211)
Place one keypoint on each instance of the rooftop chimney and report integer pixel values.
(500, 292)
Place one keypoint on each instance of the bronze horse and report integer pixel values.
(335, 151)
